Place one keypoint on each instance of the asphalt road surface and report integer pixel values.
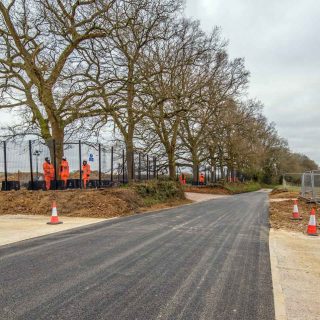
(203, 261)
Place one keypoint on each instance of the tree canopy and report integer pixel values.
(162, 82)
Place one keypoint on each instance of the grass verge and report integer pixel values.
(225, 189)
(243, 187)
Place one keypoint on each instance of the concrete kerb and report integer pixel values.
(279, 300)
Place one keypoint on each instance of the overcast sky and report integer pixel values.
(280, 41)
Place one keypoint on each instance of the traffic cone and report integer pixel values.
(295, 213)
(54, 215)
(312, 226)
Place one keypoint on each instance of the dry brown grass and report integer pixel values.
(104, 203)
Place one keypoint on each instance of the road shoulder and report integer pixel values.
(16, 228)
(295, 264)
(200, 197)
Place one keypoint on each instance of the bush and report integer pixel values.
(160, 190)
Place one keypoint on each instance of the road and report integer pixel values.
(208, 260)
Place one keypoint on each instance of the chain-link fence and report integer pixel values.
(23, 165)
(310, 187)
(292, 180)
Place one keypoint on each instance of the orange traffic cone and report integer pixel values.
(54, 215)
(312, 226)
(295, 213)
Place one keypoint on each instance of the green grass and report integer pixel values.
(243, 187)
(158, 191)
(288, 187)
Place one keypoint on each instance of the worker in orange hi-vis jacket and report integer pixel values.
(64, 170)
(85, 172)
(201, 178)
(48, 172)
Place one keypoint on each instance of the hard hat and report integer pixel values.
(64, 158)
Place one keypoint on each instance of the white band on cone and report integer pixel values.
(54, 212)
(312, 220)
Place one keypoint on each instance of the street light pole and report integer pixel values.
(37, 154)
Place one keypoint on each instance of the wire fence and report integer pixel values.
(21, 165)
(310, 188)
(207, 175)
(292, 180)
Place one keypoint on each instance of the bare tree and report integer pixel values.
(136, 24)
(173, 74)
(41, 69)
(225, 80)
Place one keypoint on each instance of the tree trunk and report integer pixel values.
(195, 171)
(172, 166)
(55, 145)
(130, 160)
(213, 174)
(221, 171)
(131, 122)
(195, 165)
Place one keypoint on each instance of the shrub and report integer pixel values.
(160, 190)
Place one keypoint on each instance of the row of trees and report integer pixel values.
(72, 67)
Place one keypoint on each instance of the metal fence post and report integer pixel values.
(303, 188)
(31, 169)
(197, 175)
(157, 169)
(55, 163)
(80, 165)
(139, 169)
(132, 166)
(5, 165)
(111, 176)
(154, 167)
(312, 186)
(123, 166)
(99, 165)
(147, 167)
(205, 174)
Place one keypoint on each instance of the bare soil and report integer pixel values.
(284, 194)
(281, 211)
(104, 203)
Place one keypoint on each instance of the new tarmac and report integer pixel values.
(208, 260)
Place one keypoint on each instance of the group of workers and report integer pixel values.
(183, 178)
(64, 172)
